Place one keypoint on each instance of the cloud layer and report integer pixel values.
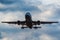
(44, 10)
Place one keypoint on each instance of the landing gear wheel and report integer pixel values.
(22, 27)
(35, 27)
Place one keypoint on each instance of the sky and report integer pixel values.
(43, 10)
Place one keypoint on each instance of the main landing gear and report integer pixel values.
(30, 28)
(36, 27)
(23, 27)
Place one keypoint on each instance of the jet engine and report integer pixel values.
(18, 22)
(38, 22)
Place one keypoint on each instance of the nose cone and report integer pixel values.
(28, 14)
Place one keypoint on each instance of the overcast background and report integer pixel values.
(44, 10)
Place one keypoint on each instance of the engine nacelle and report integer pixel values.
(38, 22)
(18, 22)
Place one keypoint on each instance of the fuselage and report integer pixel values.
(28, 20)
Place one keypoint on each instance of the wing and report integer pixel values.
(47, 22)
(42, 22)
(15, 22)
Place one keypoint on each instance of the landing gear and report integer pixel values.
(22, 27)
(36, 27)
(30, 28)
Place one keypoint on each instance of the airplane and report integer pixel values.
(28, 22)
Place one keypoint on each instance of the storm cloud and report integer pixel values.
(44, 10)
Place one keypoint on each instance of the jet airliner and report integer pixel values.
(29, 22)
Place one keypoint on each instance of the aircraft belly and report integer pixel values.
(29, 24)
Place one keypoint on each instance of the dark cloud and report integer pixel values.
(22, 8)
(7, 1)
(18, 5)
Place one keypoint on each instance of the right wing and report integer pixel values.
(42, 22)
(47, 22)
(15, 22)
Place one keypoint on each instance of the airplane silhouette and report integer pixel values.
(29, 22)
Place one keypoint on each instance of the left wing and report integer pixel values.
(15, 22)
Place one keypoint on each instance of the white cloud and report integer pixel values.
(17, 36)
(44, 15)
(46, 37)
(10, 16)
(5, 38)
(2, 5)
(46, 2)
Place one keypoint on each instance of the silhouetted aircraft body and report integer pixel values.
(29, 22)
